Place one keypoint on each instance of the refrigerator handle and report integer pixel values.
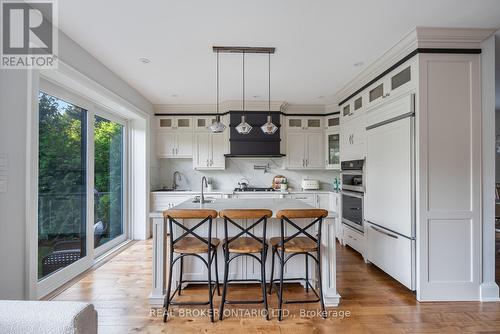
(383, 232)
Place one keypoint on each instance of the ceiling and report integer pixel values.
(317, 42)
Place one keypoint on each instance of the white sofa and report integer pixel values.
(47, 317)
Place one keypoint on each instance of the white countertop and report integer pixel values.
(231, 192)
(273, 204)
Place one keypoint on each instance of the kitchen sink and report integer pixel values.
(197, 199)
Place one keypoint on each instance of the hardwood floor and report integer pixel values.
(375, 302)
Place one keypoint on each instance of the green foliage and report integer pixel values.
(62, 170)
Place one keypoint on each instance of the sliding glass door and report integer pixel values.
(81, 184)
(62, 186)
(109, 208)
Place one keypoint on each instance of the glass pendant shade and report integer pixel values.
(243, 128)
(217, 126)
(269, 128)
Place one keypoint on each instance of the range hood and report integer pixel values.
(256, 144)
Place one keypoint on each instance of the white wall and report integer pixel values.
(13, 120)
(237, 168)
(13, 137)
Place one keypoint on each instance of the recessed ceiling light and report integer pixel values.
(321, 97)
(144, 60)
(359, 63)
(174, 95)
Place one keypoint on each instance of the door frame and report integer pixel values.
(46, 285)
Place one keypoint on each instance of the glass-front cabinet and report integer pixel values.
(175, 123)
(332, 154)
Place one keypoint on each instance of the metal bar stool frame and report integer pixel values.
(211, 257)
(279, 251)
(228, 258)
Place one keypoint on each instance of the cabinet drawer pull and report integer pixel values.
(383, 232)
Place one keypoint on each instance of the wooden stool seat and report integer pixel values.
(244, 245)
(295, 245)
(193, 245)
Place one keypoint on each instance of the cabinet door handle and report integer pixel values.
(307, 162)
(211, 162)
(173, 152)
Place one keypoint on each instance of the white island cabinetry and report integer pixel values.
(244, 268)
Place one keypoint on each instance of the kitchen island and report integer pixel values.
(244, 267)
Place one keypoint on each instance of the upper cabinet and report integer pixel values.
(300, 123)
(399, 81)
(305, 150)
(332, 142)
(181, 123)
(209, 151)
(332, 122)
(174, 137)
(209, 148)
(201, 123)
(332, 153)
(171, 144)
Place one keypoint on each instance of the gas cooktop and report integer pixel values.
(254, 189)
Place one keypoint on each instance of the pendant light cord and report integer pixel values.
(243, 82)
(217, 82)
(269, 84)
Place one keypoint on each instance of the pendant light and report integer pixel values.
(269, 128)
(217, 126)
(243, 128)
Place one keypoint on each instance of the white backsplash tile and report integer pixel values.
(236, 169)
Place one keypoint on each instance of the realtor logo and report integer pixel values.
(29, 35)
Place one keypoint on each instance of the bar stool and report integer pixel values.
(245, 243)
(192, 244)
(300, 242)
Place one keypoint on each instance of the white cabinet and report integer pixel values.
(305, 150)
(174, 136)
(353, 139)
(201, 123)
(324, 202)
(209, 151)
(399, 81)
(332, 149)
(174, 144)
(381, 247)
(175, 123)
(354, 239)
(163, 201)
(332, 122)
(304, 123)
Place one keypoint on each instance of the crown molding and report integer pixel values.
(419, 37)
(304, 109)
(229, 105)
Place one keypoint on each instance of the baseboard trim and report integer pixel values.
(489, 292)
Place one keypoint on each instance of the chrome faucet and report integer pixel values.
(174, 184)
(203, 182)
